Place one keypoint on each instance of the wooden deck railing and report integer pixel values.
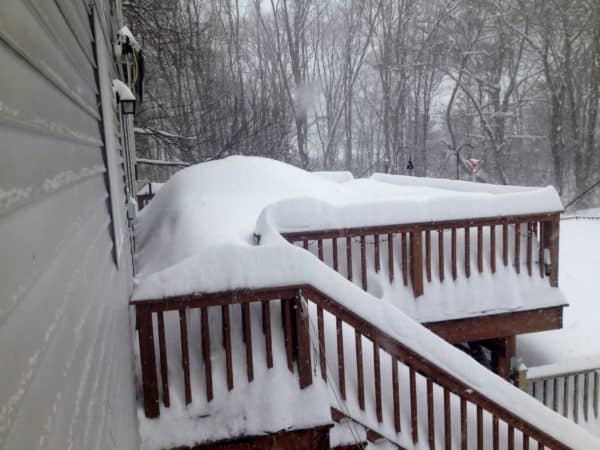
(510, 238)
(568, 392)
(402, 364)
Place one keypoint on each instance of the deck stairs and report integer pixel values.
(198, 353)
(381, 384)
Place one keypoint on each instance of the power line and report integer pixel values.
(597, 183)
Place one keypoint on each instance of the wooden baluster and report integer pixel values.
(148, 361)
(533, 385)
(453, 253)
(244, 323)
(305, 244)
(391, 256)
(359, 370)
(287, 327)
(224, 338)
(248, 340)
(479, 428)
(334, 249)
(518, 247)
(505, 244)
(586, 396)
(467, 252)
(363, 262)
(545, 392)
(321, 332)
(540, 446)
(227, 345)
(340, 352)
(525, 441)
(416, 262)
(204, 328)
(555, 394)
(441, 254)
(596, 389)
(576, 398)
(511, 437)
(185, 355)
(164, 372)
(349, 257)
(430, 415)
(320, 249)
(377, 376)
(414, 413)
(464, 430)
(396, 394)
(428, 254)
(376, 252)
(566, 396)
(480, 248)
(447, 420)
(541, 250)
(493, 248)
(404, 259)
(529, 248)
(495, 433)
(300, 311)
(554, 235)
(266, 307)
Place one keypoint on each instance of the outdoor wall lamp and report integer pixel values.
(124, 97)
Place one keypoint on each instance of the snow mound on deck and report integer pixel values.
(216, 203)
(220, 201)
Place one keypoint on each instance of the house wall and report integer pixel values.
(65, 355)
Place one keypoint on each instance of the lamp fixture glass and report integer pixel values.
(127, 106)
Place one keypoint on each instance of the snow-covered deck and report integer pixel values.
(218, 208)
(198, 236)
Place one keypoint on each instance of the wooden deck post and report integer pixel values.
(503, 349)
(148, 361)
(553, 241)
(416, 262)
(522, 378)
(302, 341)
(549, 241)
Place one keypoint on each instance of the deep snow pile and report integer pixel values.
(219, 203)
(197, 236)
(222, 204)
(579, 280)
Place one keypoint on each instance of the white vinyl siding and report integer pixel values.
(65, 355)
(113, 158)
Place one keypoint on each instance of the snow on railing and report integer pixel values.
(570, 387)
(513, 237)
(384, 388)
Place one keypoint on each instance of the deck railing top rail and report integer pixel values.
(412, 226)
(522, 241)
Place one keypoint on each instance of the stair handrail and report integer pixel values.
(382, 339)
